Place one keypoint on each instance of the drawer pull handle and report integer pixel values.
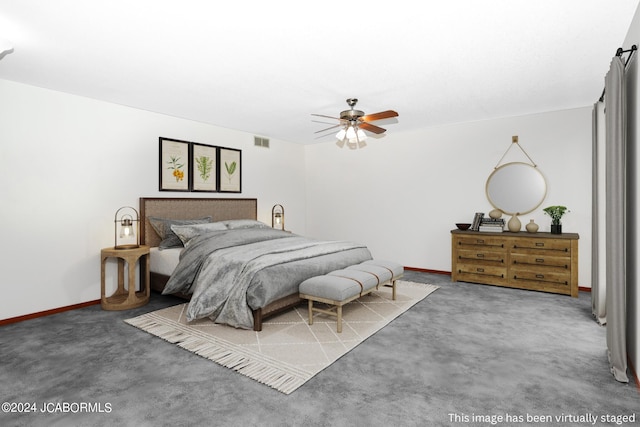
(480, 255)
(539, 276)
(540, 260)
(480, 270)
(480, 241)
(539, 244)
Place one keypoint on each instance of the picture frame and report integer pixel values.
(174, 165)
(204, 163)
(229, 170)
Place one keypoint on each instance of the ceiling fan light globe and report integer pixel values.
(351, 133)
(341, 134)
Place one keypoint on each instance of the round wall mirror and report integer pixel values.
(516, 188)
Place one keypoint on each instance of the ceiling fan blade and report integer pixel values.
(328, 117)
(379, 116)
(329, 128)
(371, 128)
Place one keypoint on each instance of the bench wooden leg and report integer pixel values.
(339, 312)
(311, 312)
(393, 290)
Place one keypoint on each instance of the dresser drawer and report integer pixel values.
(546, 282)
(542, 262)
(471, 256)
(481, 274)
(538, 276)
(528, 244)
(466, 242)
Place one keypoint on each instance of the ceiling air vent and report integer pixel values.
(261, 142)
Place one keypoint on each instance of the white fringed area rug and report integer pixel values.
(288, 351)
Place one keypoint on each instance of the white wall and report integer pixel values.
(402, 195)
(68, 163)
(66, 173)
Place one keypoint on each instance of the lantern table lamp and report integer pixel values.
(127, 228)
(277, 217)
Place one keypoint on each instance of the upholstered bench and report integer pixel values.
(395, 269)
(343, 286)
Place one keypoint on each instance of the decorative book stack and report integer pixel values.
(492, 225)
(477, 219)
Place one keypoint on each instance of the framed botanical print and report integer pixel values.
(174, 165)
(204, 163)
(229, 170)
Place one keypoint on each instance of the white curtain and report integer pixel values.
(599, 218)
(615, 232)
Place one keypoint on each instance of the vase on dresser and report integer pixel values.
(556, 228)
(532, 227)
(495, 214)
(514, 225)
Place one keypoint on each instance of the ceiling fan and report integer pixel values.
(354, 122)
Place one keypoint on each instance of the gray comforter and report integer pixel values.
(231, 272)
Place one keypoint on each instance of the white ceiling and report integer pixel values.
(264, 66)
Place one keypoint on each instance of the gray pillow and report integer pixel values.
(188, 232)
(162, 226)
(233, 224)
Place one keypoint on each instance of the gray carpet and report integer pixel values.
(466, 351)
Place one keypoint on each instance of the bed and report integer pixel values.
(272, 286)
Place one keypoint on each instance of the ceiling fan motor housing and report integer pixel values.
(351, 115)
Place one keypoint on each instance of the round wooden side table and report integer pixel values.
(126, 298)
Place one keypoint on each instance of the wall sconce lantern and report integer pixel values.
(127, 228)
(277, 217)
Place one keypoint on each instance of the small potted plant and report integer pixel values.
(556, 213)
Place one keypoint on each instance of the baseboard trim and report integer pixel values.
(48, 312)
(426, 270)
(90, 303)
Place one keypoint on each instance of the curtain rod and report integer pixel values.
(619, 52)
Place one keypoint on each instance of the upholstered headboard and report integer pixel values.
(191, 208)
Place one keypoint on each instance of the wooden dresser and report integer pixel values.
(536, 261)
